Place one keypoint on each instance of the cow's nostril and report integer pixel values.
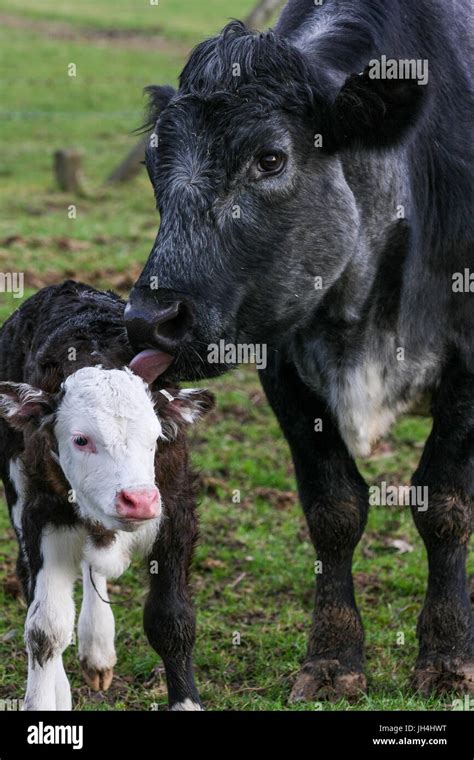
(173, 322)
(164, 325)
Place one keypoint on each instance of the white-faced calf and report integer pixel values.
(95, 467)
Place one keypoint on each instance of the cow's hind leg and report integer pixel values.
(446, 471)
(335, 501)
(169, 618)
(96, 632)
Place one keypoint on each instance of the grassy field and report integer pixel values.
(253, 571)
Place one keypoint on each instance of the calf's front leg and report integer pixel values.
(50, 619)
(335, 502)
(169, 618)
(96, 631)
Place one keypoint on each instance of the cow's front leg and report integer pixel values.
(50, 619)
(444, 520)
(335, 501)
(169, 617)
(96, 631)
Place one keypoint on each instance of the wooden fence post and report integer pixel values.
(68, 170)
(262, 13)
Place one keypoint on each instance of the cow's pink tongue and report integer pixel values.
(150, 364)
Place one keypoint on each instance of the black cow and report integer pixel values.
(315, 186)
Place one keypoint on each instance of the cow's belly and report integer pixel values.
(365, 408)
(368, 397)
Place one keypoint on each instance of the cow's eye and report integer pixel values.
(271, 163)
(80, 440)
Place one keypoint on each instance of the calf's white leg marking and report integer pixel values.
(18, 479)
(187, 706)
(62, 688)
(50, 620)
(96, 631)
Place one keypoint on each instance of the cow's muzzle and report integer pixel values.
(164, 324)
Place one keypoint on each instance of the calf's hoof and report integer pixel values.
(328, 680)
(187, 705)
(444, 677)
(97, 680)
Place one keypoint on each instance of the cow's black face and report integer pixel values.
(257, 220)
(238, 251)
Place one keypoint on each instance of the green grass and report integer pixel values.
(177, 19)
(254, 566)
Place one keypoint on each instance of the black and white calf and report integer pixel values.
(95, 467)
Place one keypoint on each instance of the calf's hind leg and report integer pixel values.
(446, 470)
(169, 618)
(335, 502)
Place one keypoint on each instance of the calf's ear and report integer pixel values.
(21, 404)
(373, 113)
(187, 406)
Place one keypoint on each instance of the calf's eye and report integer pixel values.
(270, 163)
(83, 443)
(80, 440)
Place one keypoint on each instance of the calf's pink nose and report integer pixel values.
(138, 504)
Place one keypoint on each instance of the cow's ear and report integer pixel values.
(21, 405)
(158, 98)
(374, 113)
(185, 407)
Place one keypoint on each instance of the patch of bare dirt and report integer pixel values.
(278, 499)
(121, 281)
(369, 584)
(61, 30)
(281, 500)
(210, 486)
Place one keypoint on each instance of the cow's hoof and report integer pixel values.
(97, 680)
(328, 680)
(444, 678)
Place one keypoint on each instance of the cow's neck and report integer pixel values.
(359, 351)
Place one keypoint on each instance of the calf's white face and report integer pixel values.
(106, 430)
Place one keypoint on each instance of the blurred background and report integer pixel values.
(72, 80)
(72, 205)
